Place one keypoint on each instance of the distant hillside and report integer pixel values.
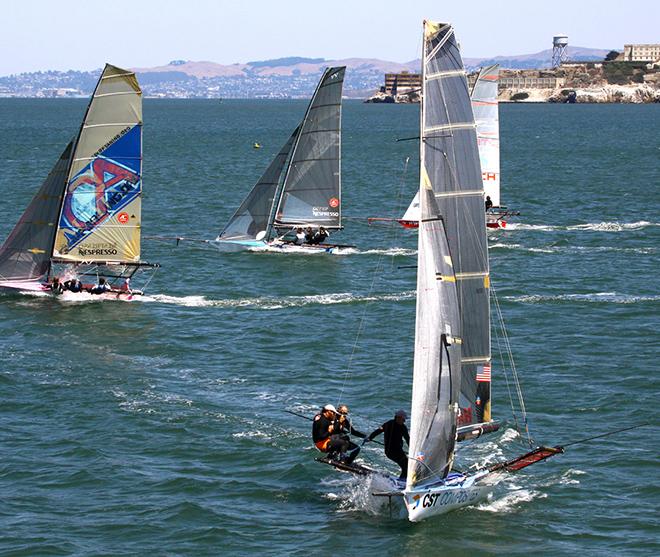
(292, 76)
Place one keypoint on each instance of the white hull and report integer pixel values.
(451, 495)
(274, 246)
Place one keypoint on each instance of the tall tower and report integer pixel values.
(559, 45)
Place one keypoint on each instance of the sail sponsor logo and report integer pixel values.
(489, 176)
(122, 218)
(324, 212)
(97, 193)
(99, 248)
(115, 138)
(333, 202)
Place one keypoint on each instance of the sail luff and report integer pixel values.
(100, 215)
(311, 190)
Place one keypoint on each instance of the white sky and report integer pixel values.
(84, 34)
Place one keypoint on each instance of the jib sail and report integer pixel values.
(25, 255)
(253, 215)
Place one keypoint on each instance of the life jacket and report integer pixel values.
(323, 445)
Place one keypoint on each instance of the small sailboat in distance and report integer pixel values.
(85, 220)
(486, 115)
(301, 188)
(451, 387)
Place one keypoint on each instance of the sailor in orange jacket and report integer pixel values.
(325, 437)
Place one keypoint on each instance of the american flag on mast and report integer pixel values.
(483, 373)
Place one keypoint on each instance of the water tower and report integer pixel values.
(559, 46)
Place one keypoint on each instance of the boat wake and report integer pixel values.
(605, 226)
(597, 297)
(574, 249)
(278, 303)
(355, 494)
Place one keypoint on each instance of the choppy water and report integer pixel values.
(159, 426)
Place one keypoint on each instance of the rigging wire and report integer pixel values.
(362, 319)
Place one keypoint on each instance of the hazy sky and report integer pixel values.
(84, 34)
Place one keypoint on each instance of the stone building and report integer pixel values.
(641, 52)
(400, 83)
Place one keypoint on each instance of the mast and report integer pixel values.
(100, 213)
(311, 190)
(486, 116)
(452, 320)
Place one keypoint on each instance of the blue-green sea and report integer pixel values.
(159, 426)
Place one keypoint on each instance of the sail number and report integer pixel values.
(448, 498)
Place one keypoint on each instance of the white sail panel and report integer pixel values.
(413, 211)
(486, 116)
(100, 217)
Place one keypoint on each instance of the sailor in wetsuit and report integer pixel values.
(319, 236)
(489, 203)
(395, 432)
(325, 436)
(344, 427)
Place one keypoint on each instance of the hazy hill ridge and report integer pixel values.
(282, 77)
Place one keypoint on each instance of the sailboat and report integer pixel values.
(451, 390)
(301, 187)
(85, 219)
(486, 114)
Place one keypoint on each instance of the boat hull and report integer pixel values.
(274, 246)
(456, 493)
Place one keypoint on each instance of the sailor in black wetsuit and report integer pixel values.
(395, 432)
(489, 203)
(344, 427)
(325, 435)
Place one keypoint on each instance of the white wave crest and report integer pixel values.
(509, 501)
(604, 226)
(278, 303)
(597, 297)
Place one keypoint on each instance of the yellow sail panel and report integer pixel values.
(100, 216)
(115, 239)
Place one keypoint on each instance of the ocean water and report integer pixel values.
(160, 426)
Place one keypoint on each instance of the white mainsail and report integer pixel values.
(486, 116)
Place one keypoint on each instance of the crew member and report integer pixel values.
(300, 237)
(324, 433)
(345, 427)
(319, 236)
(56, 286)
(395, 432)
(309, 235)
(489, 203)
(73, 285)
(101, 287)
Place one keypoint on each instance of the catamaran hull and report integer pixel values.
(456, 494)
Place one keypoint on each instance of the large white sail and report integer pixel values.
(452, 326)
(486, 116)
